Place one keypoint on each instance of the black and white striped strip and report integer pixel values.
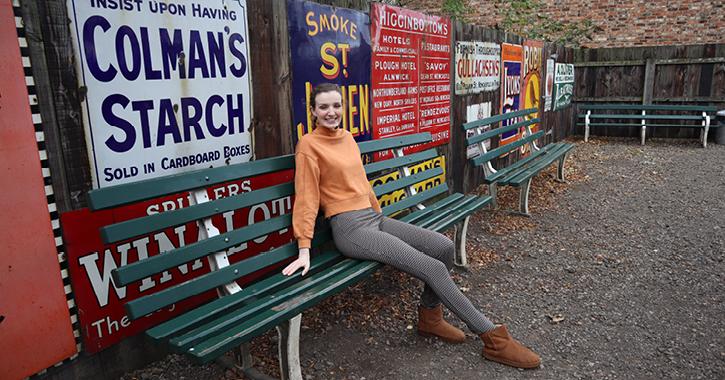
(50, 196)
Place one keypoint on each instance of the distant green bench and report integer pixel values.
(215, 328)
(519, 173)
(644, 116)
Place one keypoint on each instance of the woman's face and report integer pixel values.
(328, 109)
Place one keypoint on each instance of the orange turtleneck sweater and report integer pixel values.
(329, 175)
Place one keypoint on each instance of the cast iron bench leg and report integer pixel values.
(560, 171)
(644, 127)
(524, 198)
(289, 348)
(460, 242)
(706, 127)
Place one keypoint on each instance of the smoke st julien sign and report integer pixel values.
(330, 45)
(167, 85)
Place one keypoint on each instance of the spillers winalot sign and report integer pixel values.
(100, 301)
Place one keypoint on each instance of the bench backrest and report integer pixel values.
(642, 107)
(212, 243)
(523, 121)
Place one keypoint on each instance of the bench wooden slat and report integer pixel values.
(394, 142)
(505, 149)
(400, 161)
(163, 298)
(404, 182)
(457, 214)
(142, 306)
(188, 253)
(530, 171)
(503, 172)
(125, 194)
(213, 328)
(446, 211)
(443, 212)
(498, 131)
(415, 199)
(220, 307)
(207, 350)
(121, 231)
(497, 118)
(417, 216)
(524, 175)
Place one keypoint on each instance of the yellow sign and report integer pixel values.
(395, 196)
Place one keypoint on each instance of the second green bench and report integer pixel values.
(521, 172)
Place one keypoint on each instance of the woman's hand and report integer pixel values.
(303, 261)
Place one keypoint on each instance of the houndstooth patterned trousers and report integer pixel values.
(425, 254)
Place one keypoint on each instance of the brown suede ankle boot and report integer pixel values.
(500, 347)
(431, 323)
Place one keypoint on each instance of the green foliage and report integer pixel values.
(456, 9)
(453, 9)
(523, 17)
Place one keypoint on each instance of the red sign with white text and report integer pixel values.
(100, 302)
(411, 75)
(35, 325)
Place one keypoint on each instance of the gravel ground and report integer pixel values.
(617, 275)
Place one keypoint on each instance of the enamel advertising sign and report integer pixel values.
(411, 74)
(563, 85)
(512, 58)
(478, 67)
(330, 45)
(35, 323)
(531, 88)
(477, 112)
(165, 85)
(549, 88)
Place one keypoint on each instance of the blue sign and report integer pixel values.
(330, 44)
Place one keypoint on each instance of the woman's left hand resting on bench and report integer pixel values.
(329, 174)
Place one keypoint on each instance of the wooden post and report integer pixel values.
(649, 82)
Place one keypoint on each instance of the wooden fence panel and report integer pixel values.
(558, 125)
(693, 75)
(62, 110)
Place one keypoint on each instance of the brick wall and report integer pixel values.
(625, 22)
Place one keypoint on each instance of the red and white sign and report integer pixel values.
(100, 302)
(411, 74)
(35, 324)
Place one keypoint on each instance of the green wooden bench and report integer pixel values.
(240, 314)
(643, 116)
(519, 173)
